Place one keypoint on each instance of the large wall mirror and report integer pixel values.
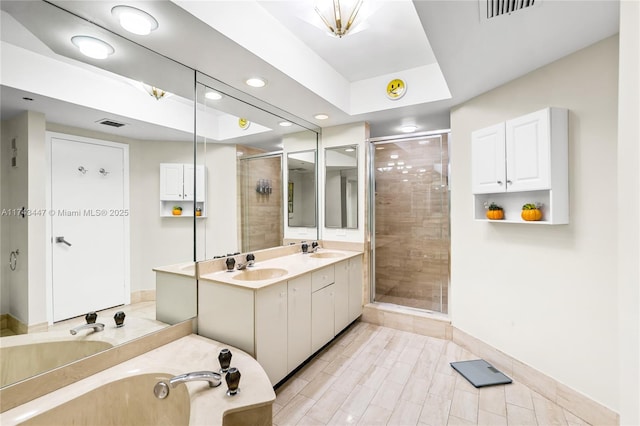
(180, 199)
(341, 187)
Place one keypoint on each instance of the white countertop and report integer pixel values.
(295, 264)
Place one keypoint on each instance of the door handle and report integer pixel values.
(62, 240)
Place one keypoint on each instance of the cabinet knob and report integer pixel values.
(499, 182)
(509, 182)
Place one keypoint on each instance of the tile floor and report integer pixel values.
(374, 375)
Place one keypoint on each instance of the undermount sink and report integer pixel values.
(327, 254)
(260, 274)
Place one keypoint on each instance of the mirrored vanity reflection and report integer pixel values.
(187, 194)
(341, 187)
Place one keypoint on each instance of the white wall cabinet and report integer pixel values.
(523, 160)
(177, 188)
(283, 324)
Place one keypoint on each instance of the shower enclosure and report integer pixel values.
(411, 243)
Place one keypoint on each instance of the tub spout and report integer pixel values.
(213, 378)
(95, 326)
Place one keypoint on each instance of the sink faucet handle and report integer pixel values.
(91, 317)
(251, 259)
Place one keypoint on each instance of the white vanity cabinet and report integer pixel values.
(520, 161)
(177, 188)
(284, 323)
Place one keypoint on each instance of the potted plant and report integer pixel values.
(531, 212)
(177, 211)
(494, 212)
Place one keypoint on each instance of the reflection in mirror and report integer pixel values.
(239, 144)
(301, 189)
(341, 187)
(87, 143)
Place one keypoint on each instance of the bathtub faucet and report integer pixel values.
(207, 376)
(95, 326)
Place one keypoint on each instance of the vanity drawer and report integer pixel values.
(322, 278)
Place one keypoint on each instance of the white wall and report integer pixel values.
(348, 134)
(546, 295)
(628, 217)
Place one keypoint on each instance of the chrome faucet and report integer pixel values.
(207, 376)
(96, 326)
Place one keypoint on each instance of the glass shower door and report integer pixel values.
(411, 214)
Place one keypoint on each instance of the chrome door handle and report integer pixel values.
(62, 240)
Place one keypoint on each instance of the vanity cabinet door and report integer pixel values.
(299, 322)
(271, 330)
(322, 317)
(341, 299)
(355, 288)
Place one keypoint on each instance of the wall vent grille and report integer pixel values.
(504, 7)
(111, 123)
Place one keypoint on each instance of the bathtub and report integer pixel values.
(26, 360)
(123, 394)
(125, 402)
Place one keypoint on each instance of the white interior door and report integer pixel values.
(89, 213)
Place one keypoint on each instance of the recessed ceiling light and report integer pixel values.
(408, 129)
(285, 123)
(422, 170)
(92, 47)
(134, 20)
(405, 180)
(321, 116)
(404, 172)
(349, 149)
(394, 156)
(400, 163)
(379, 147)
(214, 96)
(391, 164)
(256, 82)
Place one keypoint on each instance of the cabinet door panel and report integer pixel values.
(271, 330)
(322, 317)
(341, 299)
(487, 160)
(171, 182)
(528, 152)
(299, 321)
(355, 288)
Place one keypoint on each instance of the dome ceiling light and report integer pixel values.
(134, 20)
(92, 47)
(332, 12)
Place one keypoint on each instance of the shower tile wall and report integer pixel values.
(262, 221)
(412, 224)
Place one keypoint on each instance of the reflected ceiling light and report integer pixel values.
(400, 163)
(256, 82)
(349, 149)
(321, 116)
(394, 156)
(404, 172)
(285, 123)
(422, 170)
(134, 20)
(333, 12)
(155, 91)
(92, 47)
(214, 96)
(379, 147)
(408, 129)
(391, 164)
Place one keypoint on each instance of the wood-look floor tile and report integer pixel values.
(415, 391)
(387, 358)
(492, 399)
(295, 410)
(290, 389)
(358, 401)
(405, 413)
(327, 406)
(347, 381)
(375, 415)
(338, 365)
(442, 385)
(463, 384)
(518, 394)
(464, 405)
(548, 413)
(486, 418)
(520, 416)
(387, 395)
(573, 420)
(311, 370)
(318, 386)
(374, 376)
(309, 421)
(435, 410)
(457, 421)
(342, 418)
(400, 373)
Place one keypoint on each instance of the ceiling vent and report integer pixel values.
(111, 123)
(494, 8)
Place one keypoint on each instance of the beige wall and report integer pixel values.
(628, 217)
(546, 295)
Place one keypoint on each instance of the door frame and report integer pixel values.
(48, 230)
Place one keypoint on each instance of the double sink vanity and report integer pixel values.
(273, 316)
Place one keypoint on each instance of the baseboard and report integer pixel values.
(143, 296)
(438, 325)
